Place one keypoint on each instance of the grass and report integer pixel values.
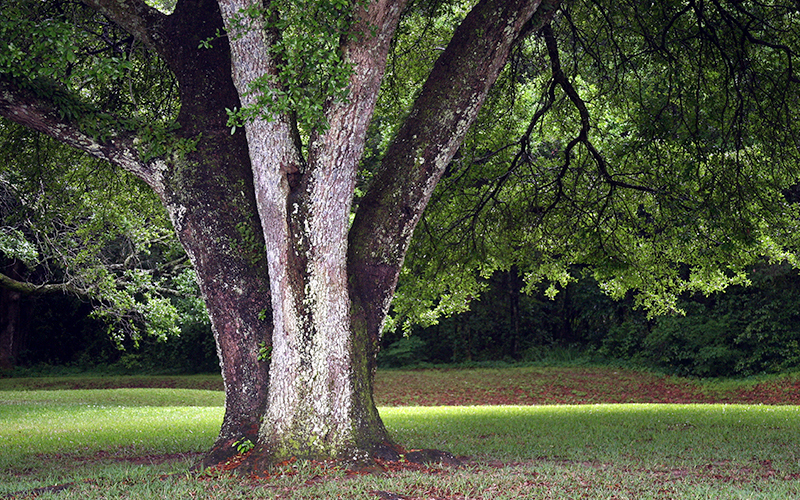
(53, 437)
(103, 381)
(140, 443)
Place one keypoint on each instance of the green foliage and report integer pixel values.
(408, 351)
(311, 67)
(33, 47)
(264, 351)
(63, 336)
(250, 243)
(655, 157)
(243, 445)
(14, 245)
(161, 141)
(656, 161)
(94, 73)
(165, 6)
(188, 300)
(430, 295)
(624, 341)
(74, 220)
(745, 331)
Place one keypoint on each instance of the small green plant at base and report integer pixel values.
(243, 445)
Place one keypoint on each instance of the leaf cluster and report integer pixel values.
(95, 74)
(101, 232)
(306, 40)
(651, 146)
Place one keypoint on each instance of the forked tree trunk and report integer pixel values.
(211, 201)
(320, 399)
(332, 286)
(210, 198)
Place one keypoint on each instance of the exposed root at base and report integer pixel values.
(387, 458)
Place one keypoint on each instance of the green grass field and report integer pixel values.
(140, 443)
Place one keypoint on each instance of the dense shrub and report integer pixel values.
(60, 332)
(407, 351)
(745, 331)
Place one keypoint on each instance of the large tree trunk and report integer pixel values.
(210, 198)
(320, 398)
(207, 191)
(329, 306)
(209, 218)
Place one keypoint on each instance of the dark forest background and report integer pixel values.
(744, 331)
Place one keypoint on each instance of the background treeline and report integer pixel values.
(744, 331)
(60, 333)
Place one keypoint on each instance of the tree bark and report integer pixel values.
(425, 143)
(208, 193)
(13, 330)
(330, 284)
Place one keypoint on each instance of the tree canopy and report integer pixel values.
(296, 145)
(657, 150)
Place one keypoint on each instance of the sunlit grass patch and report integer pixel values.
(96, 440)
(85, 430)
(620, 433)
(60, 435)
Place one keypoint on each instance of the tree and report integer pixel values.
(70, 224)
(205, 186)
(297, 84)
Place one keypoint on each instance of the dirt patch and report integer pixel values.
(486, 386)
(538, 386)
(140, 459)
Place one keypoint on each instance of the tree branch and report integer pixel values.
(426, 142)
(26, 106)
(135, 17)
(31, 289)
(583, 135)
(366, 48)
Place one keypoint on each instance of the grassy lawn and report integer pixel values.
(139, 443)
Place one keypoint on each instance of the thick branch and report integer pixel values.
(427, 141)
(31, 289)
(135, 17)
(177, 38)
(24, 106)
(366, 48)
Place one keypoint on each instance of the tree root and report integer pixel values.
(385, 457)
